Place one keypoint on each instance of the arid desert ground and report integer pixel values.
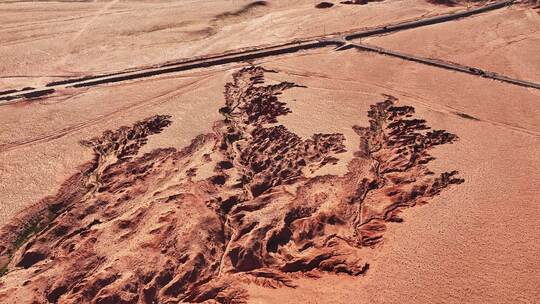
(237, 151)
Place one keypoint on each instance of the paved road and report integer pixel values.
(339, 41)
(446, 65)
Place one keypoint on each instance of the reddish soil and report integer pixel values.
(148, 228)
(279, 179)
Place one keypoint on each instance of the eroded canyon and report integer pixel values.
(243, 203)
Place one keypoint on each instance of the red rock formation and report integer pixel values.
(157, 228)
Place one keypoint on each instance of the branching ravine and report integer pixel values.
(157, 227)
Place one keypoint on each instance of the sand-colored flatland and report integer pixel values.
(320, 176)
(507, 44)
(68, 39)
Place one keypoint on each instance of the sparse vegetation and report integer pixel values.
(31, 229)
(324, 5)
(4, 270)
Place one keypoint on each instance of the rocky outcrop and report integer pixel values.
(242, 204)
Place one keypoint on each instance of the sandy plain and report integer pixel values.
(475, 242)
(68, 39)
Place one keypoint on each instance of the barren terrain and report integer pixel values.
(330, 174)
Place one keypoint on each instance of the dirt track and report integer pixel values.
(338, 40)
(447, 65)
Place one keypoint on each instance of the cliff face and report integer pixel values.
(243, 204)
